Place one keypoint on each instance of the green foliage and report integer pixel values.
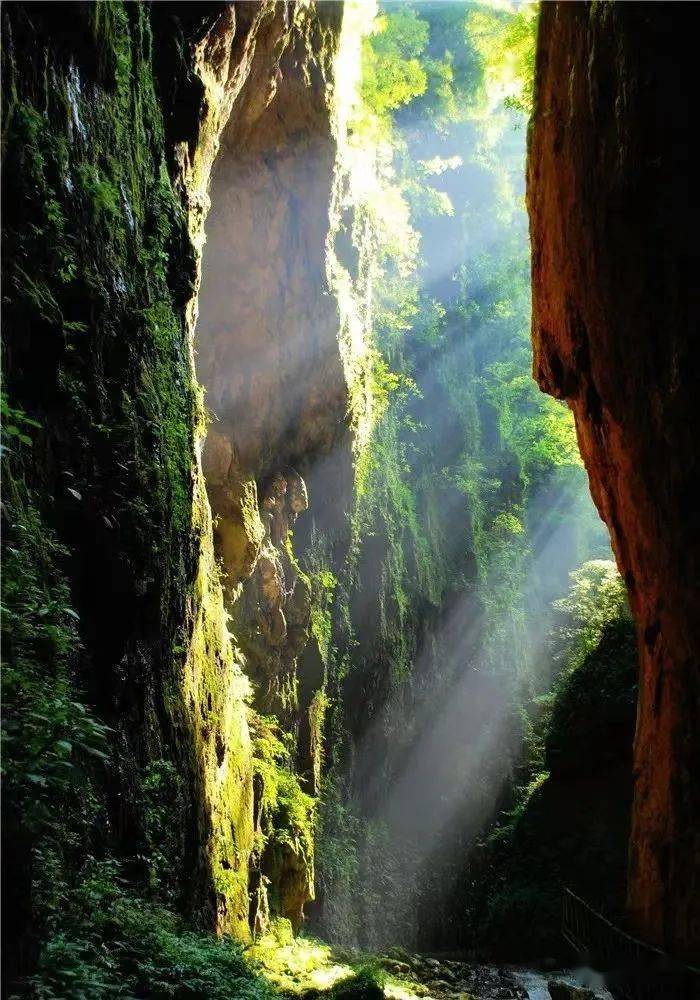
(306, 967)
(337, 842)
(387, 517)
(535, 430)
(366, 983)
(505, 42)
(465, 471)
(50, 739)
(101, 195)
(392, 73)
(597, 597)
(103, 271)
(107, 942)
(323, 584)
(287, 812)
(538, 428)
(15, 424)
(162, 804)
(296, 966)
(101, 531)
(593, 702)
(568, 822)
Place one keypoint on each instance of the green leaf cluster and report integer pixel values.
(106, 942)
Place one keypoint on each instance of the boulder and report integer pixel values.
(559, 990)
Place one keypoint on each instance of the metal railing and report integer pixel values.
(633, 969)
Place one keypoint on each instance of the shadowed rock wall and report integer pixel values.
(112, 116)
(614, 322)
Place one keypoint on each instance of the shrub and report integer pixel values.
(109, 942)
(367, 983)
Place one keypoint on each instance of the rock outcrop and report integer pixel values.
(268, 355)
(612, 226)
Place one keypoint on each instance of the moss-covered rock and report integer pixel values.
(102, 218)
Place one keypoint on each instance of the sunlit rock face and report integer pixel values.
(267, 354)
(611, 225)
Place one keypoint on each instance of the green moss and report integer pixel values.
(317, 722)
(287, 812)
(91, 161)
(216, 691)
(98, 269)
(322, 583)
(298, 964)
(367, 983)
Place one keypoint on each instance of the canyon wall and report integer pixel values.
(116, 613)
(612, 224)
(268, 356)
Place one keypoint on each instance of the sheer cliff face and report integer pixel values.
(268, 356)
(267, 337)
(267, 348)
(113, 118)
(611, 226)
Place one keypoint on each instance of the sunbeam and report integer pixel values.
(324, 321)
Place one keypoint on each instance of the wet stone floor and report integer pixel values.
(305, 968)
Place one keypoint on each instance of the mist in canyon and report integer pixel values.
(435, 495)
(318, 661)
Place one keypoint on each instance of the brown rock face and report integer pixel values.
(268, 355)
(267, 335)
(613, 323)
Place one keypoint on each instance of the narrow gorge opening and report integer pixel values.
(411, 561)
(321, 664)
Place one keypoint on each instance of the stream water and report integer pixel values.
(536, 987)
(535, 983)
(443, 978)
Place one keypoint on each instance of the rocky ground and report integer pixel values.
(446, 979)
(433, 979)
(302, 968)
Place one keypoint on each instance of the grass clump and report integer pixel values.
(365, 983)
(309, 968)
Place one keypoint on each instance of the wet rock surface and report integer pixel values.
(429, 977)
(559, 990)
